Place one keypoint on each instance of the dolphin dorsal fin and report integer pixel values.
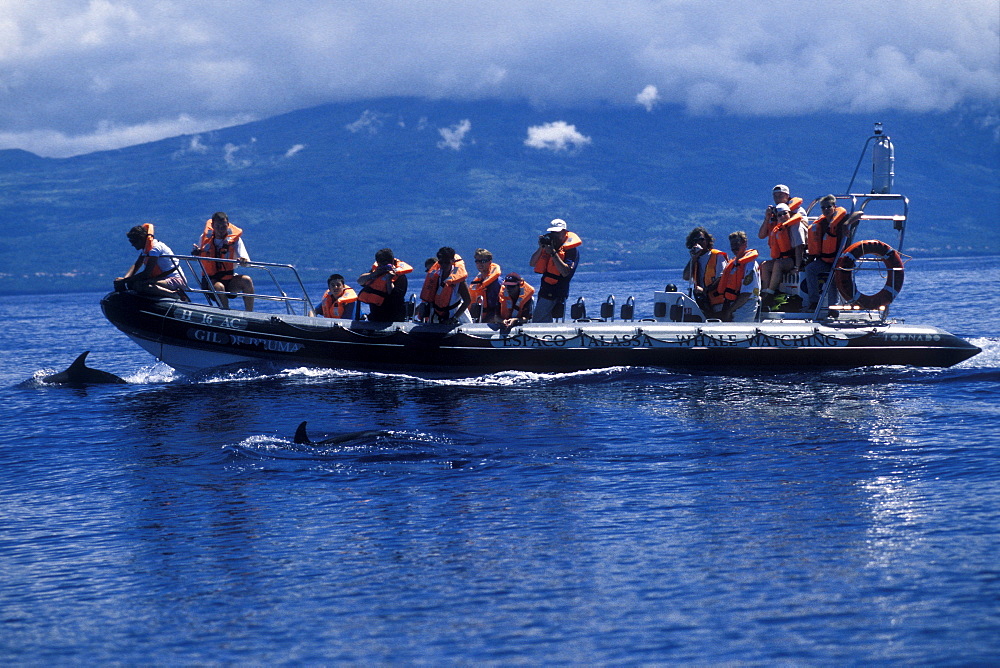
(301, 437)
(80, 362)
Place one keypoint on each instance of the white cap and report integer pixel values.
(783, 207)
(557, 225)
(781, 188)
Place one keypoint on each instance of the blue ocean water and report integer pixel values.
(619, 516)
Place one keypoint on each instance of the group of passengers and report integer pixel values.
(157, 273)
(724, 288)
(731, 289)
(444, 297)
(447, 297)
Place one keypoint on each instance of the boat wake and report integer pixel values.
(529, 378)
(153, 374)
(984, 366)
(353, 449)
(268, 372)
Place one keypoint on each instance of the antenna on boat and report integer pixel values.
(883, 162)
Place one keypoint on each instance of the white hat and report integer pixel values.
(783, 207)
(781, 188)
(557, 225)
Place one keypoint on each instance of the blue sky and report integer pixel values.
(79, 76)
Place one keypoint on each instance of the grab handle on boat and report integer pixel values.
(608, 308)
(628, 309)
(476, 310)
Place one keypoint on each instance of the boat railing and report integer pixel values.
(275, 294)
(856, 203)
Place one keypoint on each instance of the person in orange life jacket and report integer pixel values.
(338, 300)
(445, 294)
(556, 259)
(704, 269)
(515, 300)
(824, 238)
(781, 195)
(154, 273)
(740, 282)
(384, 287)
(422, 312)
(485, 286)
(221, 239)
(786, 237)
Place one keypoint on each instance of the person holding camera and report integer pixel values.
(704, 269)
(556, 259)
(384, 288)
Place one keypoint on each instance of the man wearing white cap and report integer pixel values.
(555, 259)
(781, 195)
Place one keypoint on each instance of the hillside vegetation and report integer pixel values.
(323, 188)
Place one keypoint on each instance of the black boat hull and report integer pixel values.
(191, 337)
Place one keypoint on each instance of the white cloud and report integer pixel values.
(648, 97)
(195, 145)
(293, 150)
(452, 137)
(369, 121)
(55, 143)
(557, 136)
(79, 76)
(230, 151)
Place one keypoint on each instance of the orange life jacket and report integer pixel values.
(479, 284)
(732, 276)
(458, 271)
(713, 268)
(219, 271)
(149, 238)
(440, 291)
(780, 237)
(378, 289)
(794, 204)
(335, 308)
(509, 308)
(823, 236)
(144, 254)
(547, 267)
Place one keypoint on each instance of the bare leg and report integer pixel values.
(778, 269)
(244, 284)
(220, 291)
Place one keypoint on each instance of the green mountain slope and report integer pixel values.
(324, 188)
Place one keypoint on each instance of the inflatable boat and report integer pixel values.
(191, 337)
(856, 332)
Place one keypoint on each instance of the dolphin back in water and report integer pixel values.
(79, 373)
(302, 438)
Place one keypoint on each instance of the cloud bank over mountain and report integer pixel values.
(81, 76)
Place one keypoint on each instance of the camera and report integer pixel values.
(544, 240)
